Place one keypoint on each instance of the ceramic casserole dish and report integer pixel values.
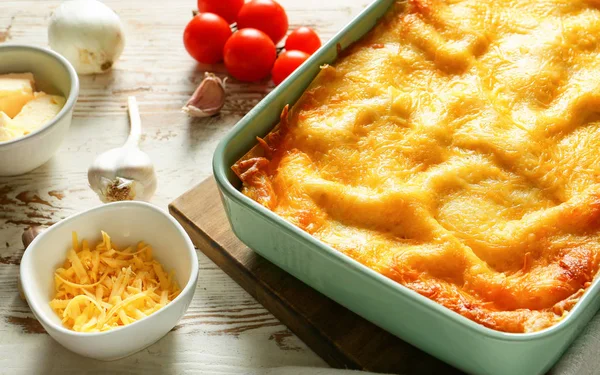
(414, 318)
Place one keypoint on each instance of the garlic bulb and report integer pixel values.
(124, 173)
(208, 99)
(88, 34)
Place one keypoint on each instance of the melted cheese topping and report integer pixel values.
(101, 289)
(454, 149)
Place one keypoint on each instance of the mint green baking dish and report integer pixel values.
(397, 309)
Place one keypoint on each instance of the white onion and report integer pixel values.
(88, 34)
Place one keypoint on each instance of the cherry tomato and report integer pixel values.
(265, 15)
(249, 55)
(286, 63)
(228, 9)
(303, 39)
(204, 37)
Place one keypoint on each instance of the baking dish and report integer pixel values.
(403, 312)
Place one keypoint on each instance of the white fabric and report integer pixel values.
(582, 358)
(307, 371)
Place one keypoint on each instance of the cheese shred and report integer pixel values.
(105, 288)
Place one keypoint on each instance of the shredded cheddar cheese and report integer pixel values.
(104, 288)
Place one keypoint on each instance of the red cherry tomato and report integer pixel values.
(228, 9)
(265, 15)
(286, 63)
(204, 37)
(249, 55)
(303, 39)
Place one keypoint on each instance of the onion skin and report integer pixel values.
(88, 34)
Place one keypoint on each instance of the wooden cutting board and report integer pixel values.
(342, 338)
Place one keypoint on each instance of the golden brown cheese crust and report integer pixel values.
(456, 150)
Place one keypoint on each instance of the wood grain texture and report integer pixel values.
(225, 330)
(340, 337)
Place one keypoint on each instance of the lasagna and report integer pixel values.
(454, 149)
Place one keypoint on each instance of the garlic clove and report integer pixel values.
(30, 234)
(208, 99)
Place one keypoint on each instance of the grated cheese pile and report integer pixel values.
(104, 288)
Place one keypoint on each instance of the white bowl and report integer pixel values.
(126, 223)
(54, 74)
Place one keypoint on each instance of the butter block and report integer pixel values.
(6, 133)
(16, 89)
(4, 119)
(37, 112)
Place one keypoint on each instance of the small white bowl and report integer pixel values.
(53, 74)
(126, 223)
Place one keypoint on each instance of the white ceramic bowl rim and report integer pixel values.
(73, 94)
(190, 284)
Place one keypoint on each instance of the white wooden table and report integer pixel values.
(224, 330)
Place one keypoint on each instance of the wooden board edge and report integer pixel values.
(264, 295)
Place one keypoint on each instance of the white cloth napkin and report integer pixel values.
(582, 358)
(289, 370)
